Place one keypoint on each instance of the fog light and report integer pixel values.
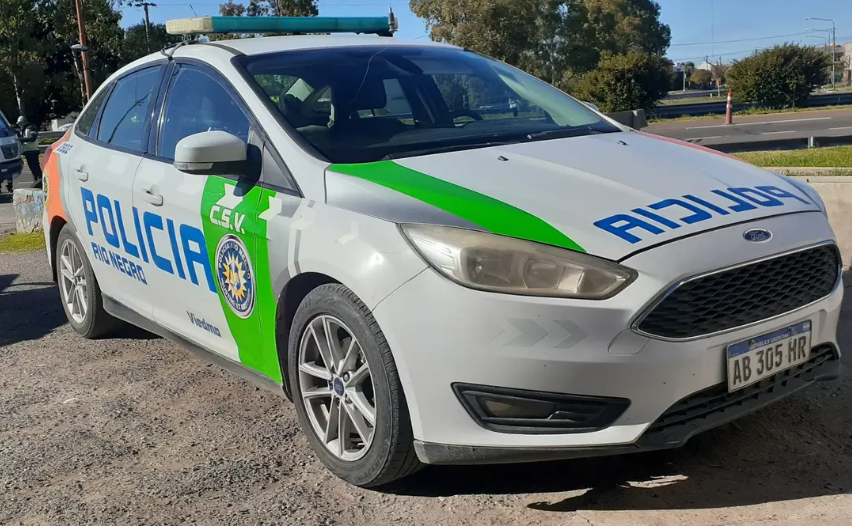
(517, 408)
(532, 412)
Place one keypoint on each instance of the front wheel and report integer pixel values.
(347, 391)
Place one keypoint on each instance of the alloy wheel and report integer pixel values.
(337, 388)
(75, 289)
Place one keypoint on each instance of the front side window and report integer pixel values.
(196, 103)
(366, 103)
(126, 112)
(87, 119)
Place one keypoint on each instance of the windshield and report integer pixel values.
(5, 129)
(366, 103)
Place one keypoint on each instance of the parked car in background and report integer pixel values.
(10, 154)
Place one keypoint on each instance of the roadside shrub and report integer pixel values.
(779, 77)
(701, 77)
(625, 82)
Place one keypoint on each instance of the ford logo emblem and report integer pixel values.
(757, 235)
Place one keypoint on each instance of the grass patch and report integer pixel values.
(694, 100)
(830, 157)
(22, 242)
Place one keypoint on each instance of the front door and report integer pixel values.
(203, 227)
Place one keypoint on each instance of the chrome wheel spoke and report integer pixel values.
(343, 426)
(322, 347)
(319, 392)
(348, 362)
(358, 422)
(332, 423)
(315, 370)
(333, 345)
(359, 376)
(66, 272)
(360, 403)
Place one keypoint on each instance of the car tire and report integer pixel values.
(389, 454)
(79, 289)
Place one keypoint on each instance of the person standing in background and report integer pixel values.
(28, 135)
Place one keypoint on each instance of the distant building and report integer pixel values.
(706, 66)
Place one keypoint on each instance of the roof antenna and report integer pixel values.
(170, 51)
(193, 10)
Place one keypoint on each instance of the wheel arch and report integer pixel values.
(56, 226)
(289, 299)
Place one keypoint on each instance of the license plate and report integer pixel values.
(752, 360)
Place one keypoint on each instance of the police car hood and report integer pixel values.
(609, 195)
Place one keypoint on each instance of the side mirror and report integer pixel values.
(211, 153)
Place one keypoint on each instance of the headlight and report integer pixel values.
(808, 191)
(504, 264)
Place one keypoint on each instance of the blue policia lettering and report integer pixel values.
(634, 229)
(185, 253)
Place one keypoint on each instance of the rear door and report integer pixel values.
(100, 161)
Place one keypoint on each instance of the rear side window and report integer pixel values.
(124, 117)
(87, 119)
(196, 103)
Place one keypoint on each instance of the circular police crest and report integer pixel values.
(235, 276)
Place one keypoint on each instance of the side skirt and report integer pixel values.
(127, 314)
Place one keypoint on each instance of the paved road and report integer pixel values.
(758, 128)
(134, 430)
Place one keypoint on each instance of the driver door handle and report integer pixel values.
(81, 175)
(150, 197)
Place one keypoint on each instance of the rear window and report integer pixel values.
(365, 103)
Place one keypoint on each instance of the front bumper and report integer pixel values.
(11, 169)
(443, 334)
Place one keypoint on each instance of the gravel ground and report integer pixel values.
(133, 430)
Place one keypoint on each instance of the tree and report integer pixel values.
(48, 85)
(701, 77)
(625, 82)
(719, 72)
(136, 44)
(556, 40)
(779, 77)
(19, 50)
(265, 8)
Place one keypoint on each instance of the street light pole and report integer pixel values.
(84, 55)
(833, 48)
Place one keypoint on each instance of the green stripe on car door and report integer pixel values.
(255, 334)
(489, 213)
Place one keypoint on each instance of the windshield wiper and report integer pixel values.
(564, 133)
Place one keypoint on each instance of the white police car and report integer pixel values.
(331, 216)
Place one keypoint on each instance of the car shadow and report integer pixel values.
(798, 448)
(30, 310)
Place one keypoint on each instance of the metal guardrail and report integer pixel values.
(816, 141)
(719, 108)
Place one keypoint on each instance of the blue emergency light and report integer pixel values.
(281, 24)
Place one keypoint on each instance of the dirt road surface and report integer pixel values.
(134, 430)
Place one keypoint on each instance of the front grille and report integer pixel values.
(744, 295)
(716, 405)
(10, 151)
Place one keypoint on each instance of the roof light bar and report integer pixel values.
(281, 24)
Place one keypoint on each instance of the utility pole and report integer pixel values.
(833, 48)
(145, 5)
(84, 55)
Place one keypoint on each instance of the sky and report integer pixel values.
(723, 29)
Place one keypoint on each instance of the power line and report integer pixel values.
(737, 40)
